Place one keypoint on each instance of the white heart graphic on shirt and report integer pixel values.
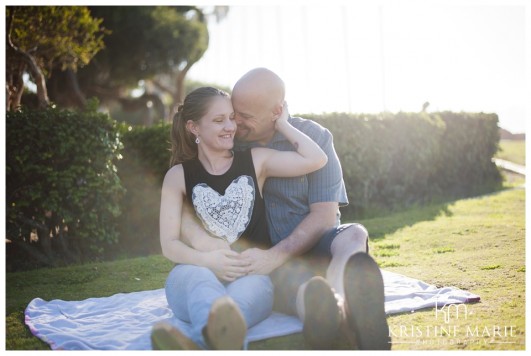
(228, 215)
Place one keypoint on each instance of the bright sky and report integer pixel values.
(369, 56)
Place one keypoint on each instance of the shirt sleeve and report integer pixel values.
(326, 184)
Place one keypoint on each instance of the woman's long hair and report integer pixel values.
(195, 106)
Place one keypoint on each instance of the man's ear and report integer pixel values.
(277, 110)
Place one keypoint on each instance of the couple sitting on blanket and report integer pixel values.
(240, 217)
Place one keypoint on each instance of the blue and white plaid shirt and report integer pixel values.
(288, 200)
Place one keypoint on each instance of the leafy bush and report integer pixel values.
(62, 180)
(146, 159)
(469, 143)
(63, 191)
(389, 161)
(386, 159)
(394, 160)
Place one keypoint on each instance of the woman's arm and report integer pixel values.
(171, 208)
(224, 263)
(193, 232)
(306, 158)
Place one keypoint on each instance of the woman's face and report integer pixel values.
(217, 127)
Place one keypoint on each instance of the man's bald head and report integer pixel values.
(257, 98)
(261, 84)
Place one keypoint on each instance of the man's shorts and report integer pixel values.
(288, 277)
(324, 246)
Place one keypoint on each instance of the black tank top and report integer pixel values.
(229, 205)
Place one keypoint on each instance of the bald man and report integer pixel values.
(320, 268)
(303, 219)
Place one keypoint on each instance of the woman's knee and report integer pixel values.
(260, 282)
(254, 296)
(252, 287)
(184, 282)
(183, 274)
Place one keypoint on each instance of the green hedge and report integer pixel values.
(394, 160)
(146, 158)
(386, 159)
(389, 161)
(469, 143)
(64, 163)
(62, 188)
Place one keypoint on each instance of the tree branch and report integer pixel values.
(163, 87)
(38, 76)
(76, 90)
(178, 96)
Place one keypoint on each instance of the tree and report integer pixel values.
(146, 43)
(41, 38)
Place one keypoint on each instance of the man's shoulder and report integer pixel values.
(307, 125)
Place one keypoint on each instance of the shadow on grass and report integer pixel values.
(383, 225)
(379, 227)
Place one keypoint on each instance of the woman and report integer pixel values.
(211, 289)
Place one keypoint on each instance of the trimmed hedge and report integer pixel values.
(394, 160)
(469, 143)
(146, 158)
(61, 172)
(62, 188)
(389, 161)
(386, 159)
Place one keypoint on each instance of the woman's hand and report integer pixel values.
(283, 118)
(227, 265)
(306, 158)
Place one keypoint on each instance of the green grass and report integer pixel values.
(473, 244)
(511, 150)
(490, 267)
(444, 250)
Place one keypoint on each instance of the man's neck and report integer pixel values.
(265, 141)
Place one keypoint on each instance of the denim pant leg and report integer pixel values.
(191, 291)
(254, 295)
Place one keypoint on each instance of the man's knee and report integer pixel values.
(353, 238)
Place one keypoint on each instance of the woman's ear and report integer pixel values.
(192, 127)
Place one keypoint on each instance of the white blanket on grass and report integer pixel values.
(123, 321)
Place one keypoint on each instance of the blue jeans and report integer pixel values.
(191, 291)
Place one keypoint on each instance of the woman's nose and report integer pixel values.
(230, 125)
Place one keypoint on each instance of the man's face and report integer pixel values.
(254, 120)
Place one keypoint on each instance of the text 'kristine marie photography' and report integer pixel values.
(447, 333)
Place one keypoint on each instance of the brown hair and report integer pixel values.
(195, 106)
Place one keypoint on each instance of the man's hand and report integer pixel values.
(261, 261)
(227, 265)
